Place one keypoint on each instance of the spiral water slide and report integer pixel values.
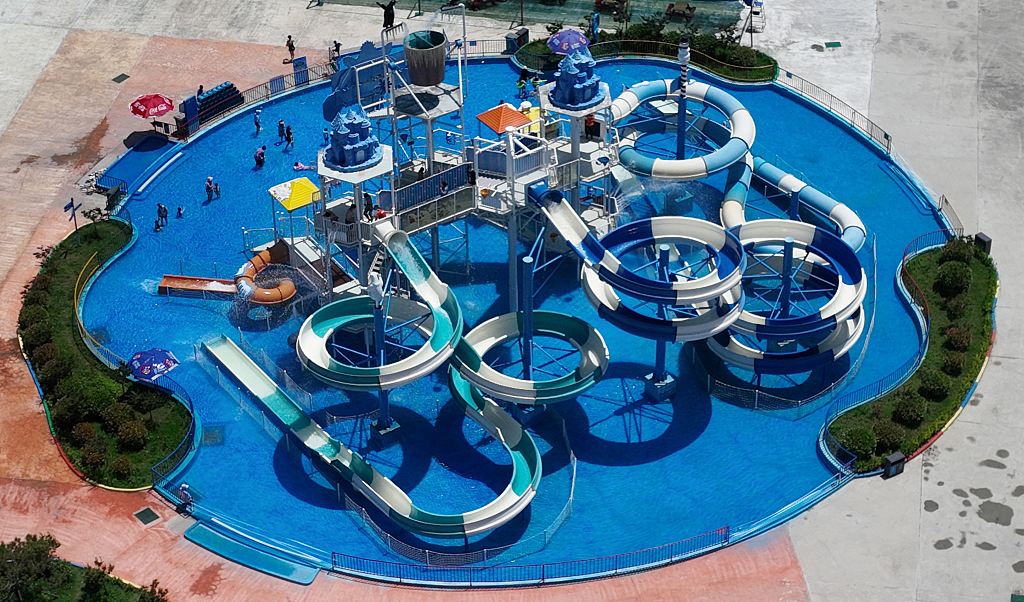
(713, 301)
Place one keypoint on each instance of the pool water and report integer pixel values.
(645, 475)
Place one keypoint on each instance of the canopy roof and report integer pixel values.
(501, 117)
(294, 194)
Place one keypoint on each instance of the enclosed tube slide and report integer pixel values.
(714, 299)
(741, 135)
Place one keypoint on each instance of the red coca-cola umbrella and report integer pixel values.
(152, 105)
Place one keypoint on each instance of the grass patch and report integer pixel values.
(78, 388)
(959, 335)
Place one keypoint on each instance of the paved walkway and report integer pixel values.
(943, 77)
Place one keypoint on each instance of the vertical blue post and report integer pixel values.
(659, 354)
(384, 420)
(794, 206)
(435, 249)
(527, 305)
(787, 277)
(684, 61)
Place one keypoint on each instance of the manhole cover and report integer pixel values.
(147, 516)
(121, 78)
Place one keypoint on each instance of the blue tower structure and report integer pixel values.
(576, 85)
(353, 146)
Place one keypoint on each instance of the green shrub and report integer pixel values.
(935, 384)
(31, 315)
(954, 278)
(954, 362)
(956, 307)
(859, 441)
(145, 399)
(958, 250)
(121, 467)
(909, 410)
(95, 391)
(36, 296)
(132, 435)
(116, 414)
(82, 433)
(94, 454)
(889, 436)
(40, 282)
(958, 338)
(43, 354)
(66, 414)
(54, 371)
(35, 336)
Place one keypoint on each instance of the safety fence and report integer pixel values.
(227, 384)
(836, 106)
(277, 373)
(915, 298)
(425, 190)
(254, 95)
(621, 48)
(532, 574)
(486, 47)
(946, 208)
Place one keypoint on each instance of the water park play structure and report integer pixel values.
(575, 185)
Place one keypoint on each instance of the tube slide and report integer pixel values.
(496, 331)
(850, 225)
(741, 135)
(263, 296)
(381, 491)
(714, 300)
(316, 332)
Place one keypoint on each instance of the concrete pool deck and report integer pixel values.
(942, 77)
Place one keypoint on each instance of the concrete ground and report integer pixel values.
(943, 77)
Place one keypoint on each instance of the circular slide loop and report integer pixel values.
(741, 134)
(468, 358)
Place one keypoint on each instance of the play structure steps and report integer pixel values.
(233, 549)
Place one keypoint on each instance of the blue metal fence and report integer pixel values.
(532, 574)
(423, 191)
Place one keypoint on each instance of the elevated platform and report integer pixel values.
(411, 101)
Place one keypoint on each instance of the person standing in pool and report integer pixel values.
(280, 131)
(209, 189)
(161, 214)
(260, 156)
(389, 13)
(256, 120)
(289, 139)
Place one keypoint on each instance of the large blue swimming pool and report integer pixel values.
(645, 474)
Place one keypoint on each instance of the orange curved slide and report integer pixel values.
(244, 280)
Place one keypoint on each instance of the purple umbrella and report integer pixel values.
(566, 41)
(149, 365)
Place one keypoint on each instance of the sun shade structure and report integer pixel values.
(294, 194)
(501, 117)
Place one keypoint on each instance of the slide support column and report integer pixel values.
(684, 67)
(527, 339)
(659, 385)
(385, 430)
(787, 277)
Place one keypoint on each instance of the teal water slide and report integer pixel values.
(351, 467)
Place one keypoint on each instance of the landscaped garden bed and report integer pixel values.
(958, 282)
(112, 430)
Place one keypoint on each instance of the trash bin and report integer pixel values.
(514, 40)
(983, 241)
(892, 465)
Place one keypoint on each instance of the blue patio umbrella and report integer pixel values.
(566, 41)
(151, 364)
